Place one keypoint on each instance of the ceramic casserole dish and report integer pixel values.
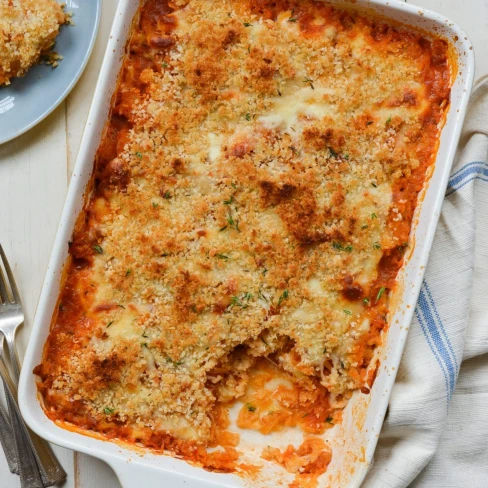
(353, 441)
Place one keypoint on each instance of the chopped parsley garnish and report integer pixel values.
(229, 201)
(139, 154)
(108, 411)
(278, 90)
(261, 295)
(128, 272)
(121, 306)
(250, 408)
(165, 64)
(144, 344)
(376, 245)
(233, 224)
(265, 270)
(347, 312)
(222, 256)
(155, 204)
(238, 300)
(329, 420)
(248, 117)
(306, 415)
(246, 24)
(98, 249)
(109, 324)
(333, 153)
(374, 185)
(308, 80)
(340, 247)
(365, 226)
(365, 301)
(167, 195)
(374, 216)
(369, 122)
(283, 296)
(389, 120)
(233, 185)
(380, 293)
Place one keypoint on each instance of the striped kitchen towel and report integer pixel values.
(436, 430)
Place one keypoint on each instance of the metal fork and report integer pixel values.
(11, 317)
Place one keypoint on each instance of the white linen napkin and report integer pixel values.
(436, 430)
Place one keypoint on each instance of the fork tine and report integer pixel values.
(3, 289)
(10, 276)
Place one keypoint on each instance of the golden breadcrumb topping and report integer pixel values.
(28, 29)
(253, 197)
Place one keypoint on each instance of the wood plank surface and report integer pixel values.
(34, 174)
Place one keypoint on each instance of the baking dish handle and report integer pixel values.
(135, 475)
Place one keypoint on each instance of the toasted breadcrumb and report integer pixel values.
(28, 29)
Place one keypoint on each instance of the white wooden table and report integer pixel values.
(34, 173)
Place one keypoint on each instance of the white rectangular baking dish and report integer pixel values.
(353, 443)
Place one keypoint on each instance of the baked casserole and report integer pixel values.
(250, 208)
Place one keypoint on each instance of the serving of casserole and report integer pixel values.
(233, 258)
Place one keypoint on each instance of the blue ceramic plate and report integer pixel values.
(28, 100)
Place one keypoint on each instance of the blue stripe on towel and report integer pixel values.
(434, 352)
(440, 323)
(433, 330)
(465, 167)
(477, 170)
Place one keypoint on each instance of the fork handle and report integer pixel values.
(46, 465)
(8, 442)
(51, 470)
(30, 477)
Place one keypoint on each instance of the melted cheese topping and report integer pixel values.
(253, 197)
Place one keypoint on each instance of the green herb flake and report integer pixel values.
(374, 185)
(166, 195)
(155, 204)
(365, 226)
(263, 340)
(347, 312)
(376, 245)
(144, 344)
(329, 420)
(306, 415)
(98, 249)
(310, 81)
(250, 408)
(292, 19)
(222, 256)
(121, 306)
(165, 64)
(229, 201)
(248, 117)
(128, 272)
(333, 153)
(366, 301)
(284, 296)
(109, 324)
(380, 293)
(108, 411)
(139, 154)
(374, 216)
(388, 121)
(369, 122)
(246, 24)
